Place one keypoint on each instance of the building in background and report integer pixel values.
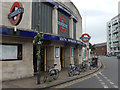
(101, 49)
(119, 28)
(113, 36)
(60, 24)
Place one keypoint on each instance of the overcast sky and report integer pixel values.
(96, 13)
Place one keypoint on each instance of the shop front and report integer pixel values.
(59, 50)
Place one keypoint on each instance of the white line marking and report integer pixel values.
(98, 77)
(105, 86)
(105, 77)
(115, 86)
(100, 73)
(101, 81)
(111, 82)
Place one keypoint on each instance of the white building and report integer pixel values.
(113, 34)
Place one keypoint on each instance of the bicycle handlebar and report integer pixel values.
(49, 67)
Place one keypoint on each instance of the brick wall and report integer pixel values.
(101, 50)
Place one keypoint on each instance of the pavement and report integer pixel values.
(31, 82)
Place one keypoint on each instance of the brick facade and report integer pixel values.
(101, 49)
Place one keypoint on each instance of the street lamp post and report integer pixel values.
(38, 42)
(39, 59)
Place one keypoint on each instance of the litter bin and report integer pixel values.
(95, 60)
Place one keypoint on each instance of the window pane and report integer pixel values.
(44, 18)
(57, 52)
(74, 29)
(72, 52)
(9, 52)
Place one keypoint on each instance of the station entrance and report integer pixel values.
(62, 57)
(43, 59)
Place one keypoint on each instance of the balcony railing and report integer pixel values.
(115, 31)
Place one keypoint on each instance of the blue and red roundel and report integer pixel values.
(62, 24)
(16, 13)
(85, 37)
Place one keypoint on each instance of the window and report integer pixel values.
(11, 52)
(63, 23)
(72, 52)
(80, 52)
(57, 52)
(74, 29)
(42, 16)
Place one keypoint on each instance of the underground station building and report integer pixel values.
(60, 24)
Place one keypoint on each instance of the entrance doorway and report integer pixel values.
(34, 59)
(62, 57)
(43, 59)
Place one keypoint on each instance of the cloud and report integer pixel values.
(95, 14)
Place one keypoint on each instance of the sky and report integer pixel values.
(95, 14)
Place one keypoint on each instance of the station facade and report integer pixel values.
(60, 24)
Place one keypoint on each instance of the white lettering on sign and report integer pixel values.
(62, 24)
(63, 39)
(70, 40)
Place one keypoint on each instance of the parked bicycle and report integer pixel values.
(83, 67)
(95, 61)
(73, 70)
(90, 65)
(51, 73)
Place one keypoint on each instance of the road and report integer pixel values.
(108, 78)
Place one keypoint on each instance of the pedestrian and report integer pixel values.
(96, 61)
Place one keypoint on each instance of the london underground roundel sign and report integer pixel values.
(62, 24)
(16, 13)
(85, 37)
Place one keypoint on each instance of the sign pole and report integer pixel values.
(85, 38)
(15, 29)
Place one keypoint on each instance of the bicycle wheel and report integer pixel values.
(45, 77)
(56, 75)
(86, 67)
(78, 71)
(70, 73)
